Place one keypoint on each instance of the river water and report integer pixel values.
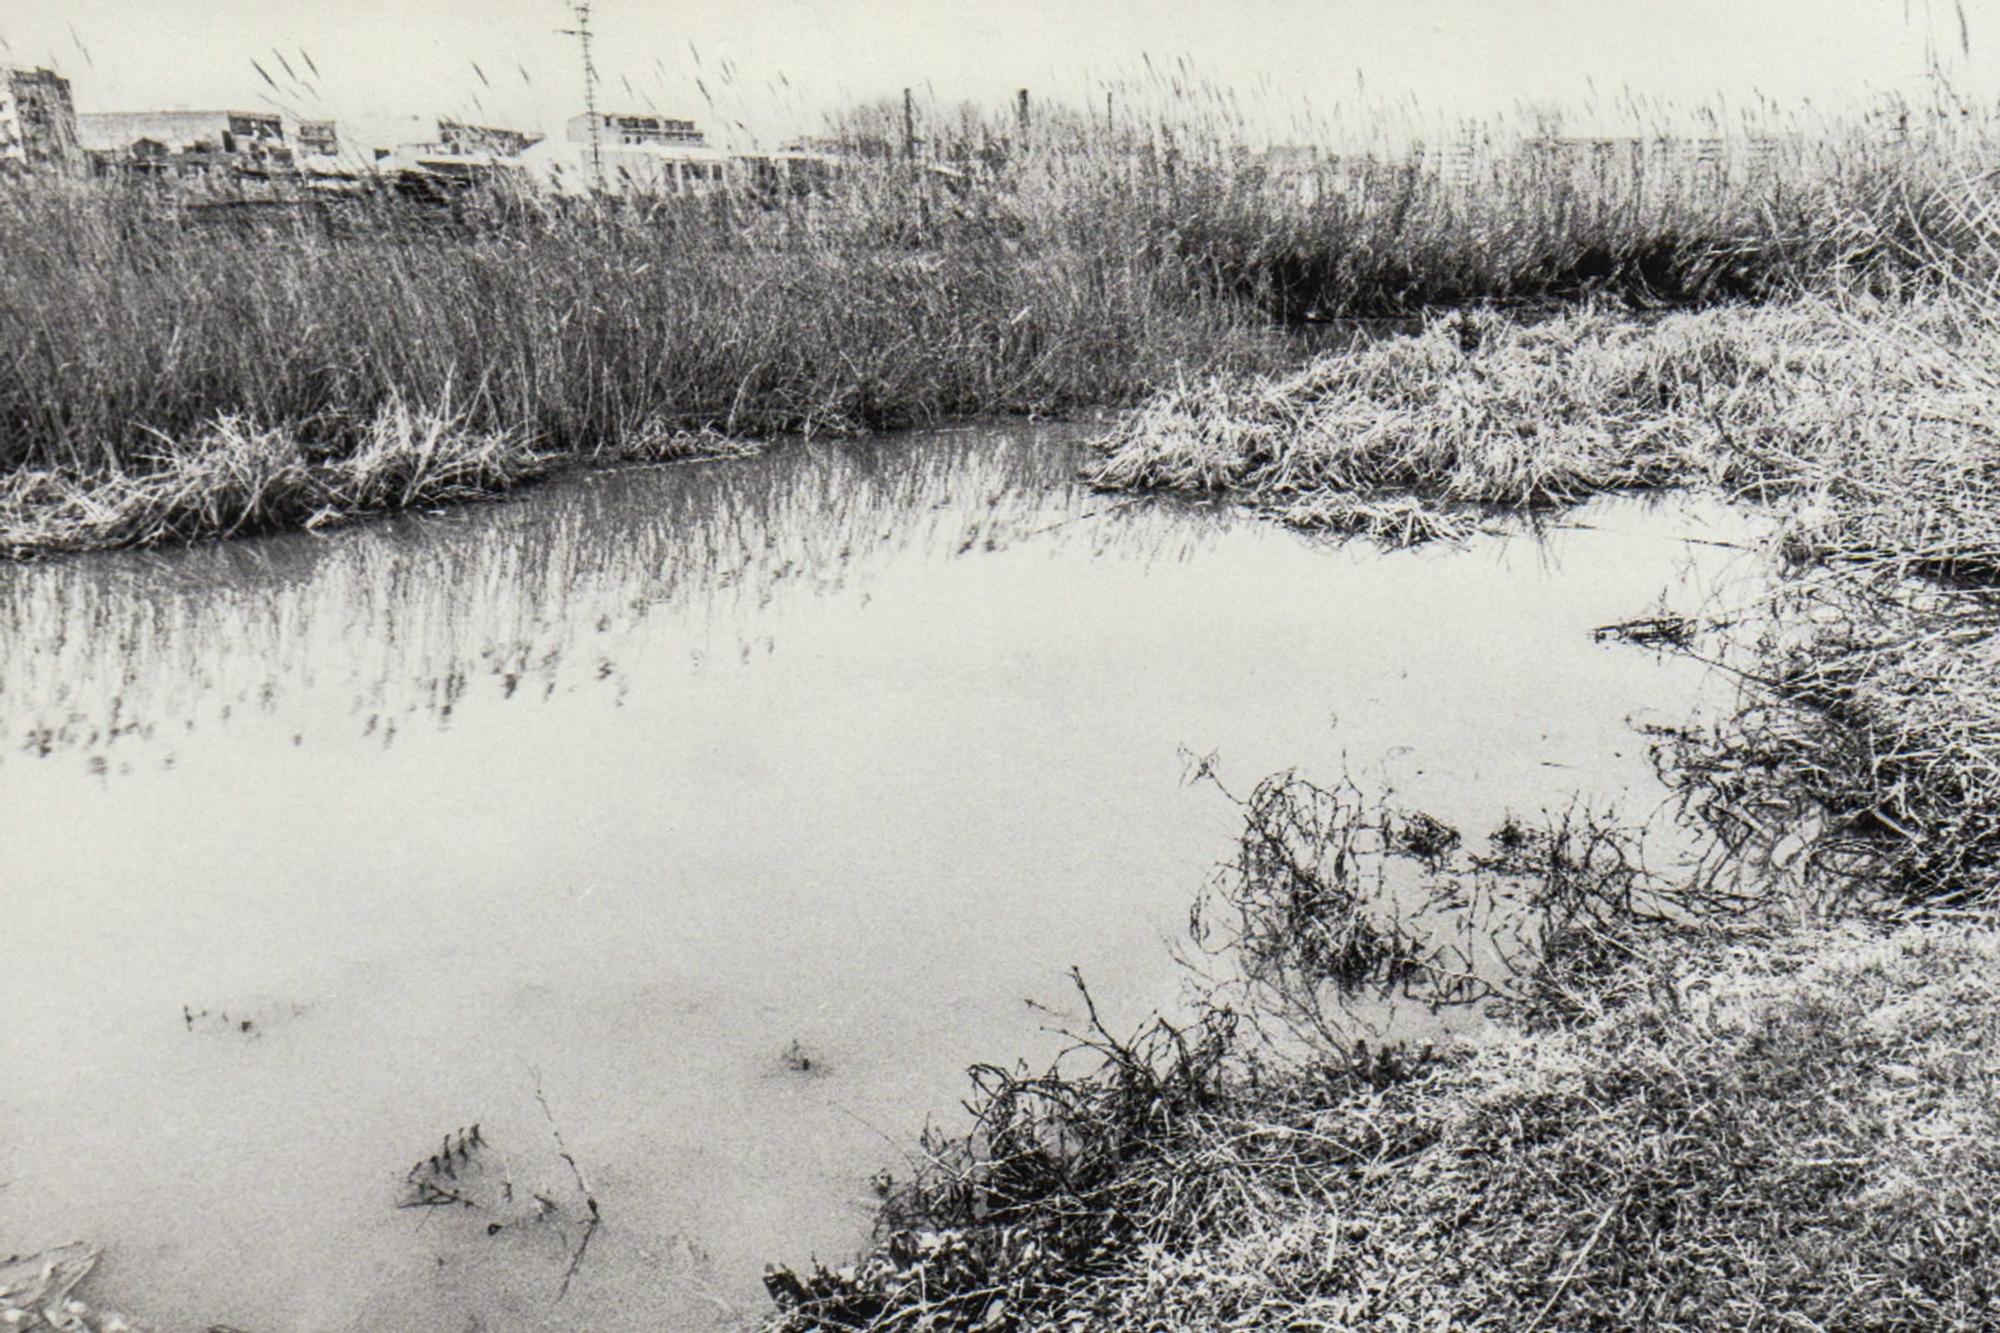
(712, 818)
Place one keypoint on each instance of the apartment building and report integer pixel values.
(633, 130)
(185, 142)
(38, 123)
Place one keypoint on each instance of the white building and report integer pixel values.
(631, 129)
(566, 167)
(37, 121)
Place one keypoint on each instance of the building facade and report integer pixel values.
(316, 138)
(628, 130)
(458, 139)
(185, 142)
(38, 126)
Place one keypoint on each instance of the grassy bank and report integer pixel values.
(1697, 1110)
(1688, 1118)
(1756, 1097)
(1821, 399)
(1871, 429)
(1775, 1131)
(179, 372)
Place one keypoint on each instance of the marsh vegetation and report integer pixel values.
(179, 372)
(1732, 1095)
(1739, 1086)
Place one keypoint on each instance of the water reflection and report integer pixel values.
(714, 817)
(410, 621)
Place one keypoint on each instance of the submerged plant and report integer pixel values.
(1339, 912)
(1307, 914)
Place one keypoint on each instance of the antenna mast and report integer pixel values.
(582, 34)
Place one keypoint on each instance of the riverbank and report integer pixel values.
(1737, 1131)
(1688, 1117)
(1870, 429)
(1747, 1098)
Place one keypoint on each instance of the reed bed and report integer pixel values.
(154, 353)
(1087, 264)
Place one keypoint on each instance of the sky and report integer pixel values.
(757, 71)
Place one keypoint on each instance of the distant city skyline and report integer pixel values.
(757, 73)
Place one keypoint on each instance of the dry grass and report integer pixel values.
(1765, 1132)
(1087, 267)
(1785, 1133)
(1720, 1123)
(234, 477)
(1477, 410)
(1845, 404)
(1872, 738)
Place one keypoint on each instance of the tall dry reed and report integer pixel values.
(1084, 262)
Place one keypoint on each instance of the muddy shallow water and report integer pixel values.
(732, 808)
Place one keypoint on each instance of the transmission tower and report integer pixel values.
(581, 8)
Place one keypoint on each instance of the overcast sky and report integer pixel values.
(777, 65)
